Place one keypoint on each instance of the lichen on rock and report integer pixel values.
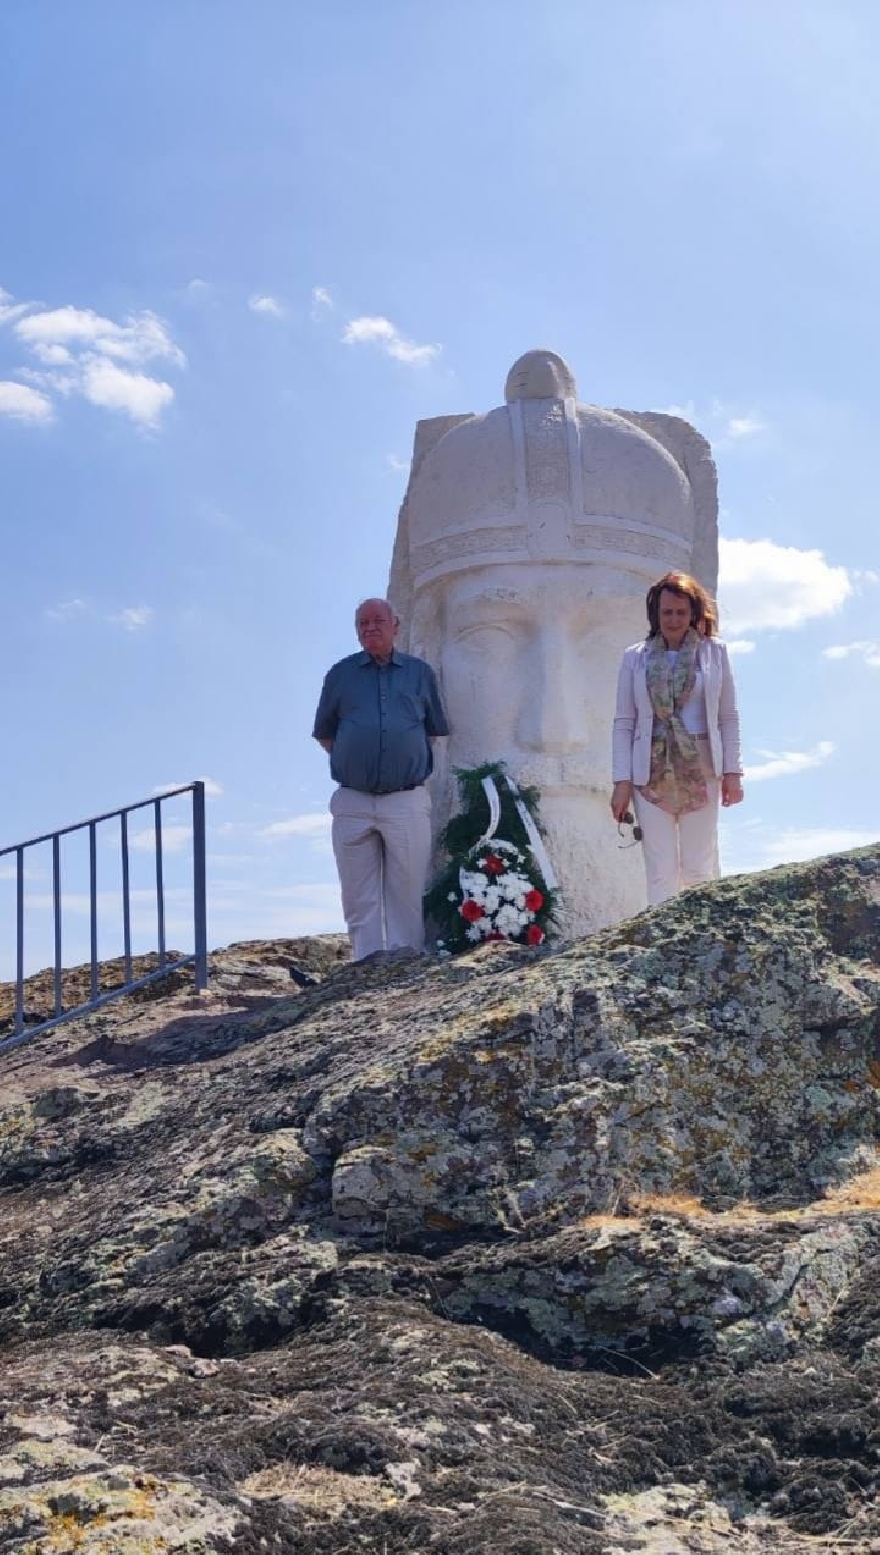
(570, 1249)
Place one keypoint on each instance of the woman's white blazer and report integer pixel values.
(634, 718)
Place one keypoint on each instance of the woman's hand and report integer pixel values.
(621, 799)
(731, 789)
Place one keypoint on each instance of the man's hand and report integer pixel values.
(326, 745)
(621, 799)
(731, 789)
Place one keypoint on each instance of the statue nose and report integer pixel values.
(553, 716)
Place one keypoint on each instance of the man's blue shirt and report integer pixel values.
(380, 717)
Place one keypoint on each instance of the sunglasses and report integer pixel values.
(628, 819)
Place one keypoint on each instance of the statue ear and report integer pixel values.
(425, 623)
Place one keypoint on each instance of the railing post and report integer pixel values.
(199, 888)
(56, 918)
(93, 906)
(126, 897)
(19, 940)
(160, 888)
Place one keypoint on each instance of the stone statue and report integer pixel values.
(525, 545)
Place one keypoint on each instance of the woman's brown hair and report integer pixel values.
(704, 615)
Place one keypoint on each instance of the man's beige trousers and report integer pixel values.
(382, 844)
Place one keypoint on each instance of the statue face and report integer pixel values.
(528, 657)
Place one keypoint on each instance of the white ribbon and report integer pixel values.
(536, 844)
(491, 793)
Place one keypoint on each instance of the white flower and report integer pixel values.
(507, 920)
(473, 932)
(472, 884)
(491, 899)
(452, 897)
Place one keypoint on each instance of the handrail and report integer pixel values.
(198, 960)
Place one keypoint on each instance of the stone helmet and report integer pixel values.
(543, 478)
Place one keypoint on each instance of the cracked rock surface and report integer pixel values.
(533, 1252)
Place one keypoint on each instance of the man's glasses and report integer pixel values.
(628, 819)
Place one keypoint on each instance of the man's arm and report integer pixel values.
(435, 717)
(326, 715)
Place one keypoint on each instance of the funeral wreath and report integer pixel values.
(493, 886)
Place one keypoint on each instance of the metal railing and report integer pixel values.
(199, 958)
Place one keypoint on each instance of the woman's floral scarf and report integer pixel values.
(676, 783)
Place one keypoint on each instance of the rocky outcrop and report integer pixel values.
(562, 1250)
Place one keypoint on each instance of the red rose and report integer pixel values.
(534, 900)
(494, 865)
(534, 935)
(495, 935)
(471, 911)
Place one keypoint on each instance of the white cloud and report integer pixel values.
(724, 424)
(9, 308)
(765, 586)
(81, 352)
(322, 302)
(10, 872)
(868, 651)
(134, 619)
(174, 838)
(794, 845)
(68, 610)
(277, 914)
(743, 426)
(740, 645)
(314, 824)
(212, 790)
(141, 398)
(785, 763)
(24, 404)
(394, 463)
(268, 305)
(52, 355)
(80, 902)
(65, 383)
(142, 338)
(381, 332)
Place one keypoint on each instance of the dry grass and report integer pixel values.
(326, 1492)
(861, 1193)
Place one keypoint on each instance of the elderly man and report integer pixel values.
(378, 713)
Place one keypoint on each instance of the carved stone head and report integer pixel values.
(526, 543)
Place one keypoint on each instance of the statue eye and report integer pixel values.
(485, 634)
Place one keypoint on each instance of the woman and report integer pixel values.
(676, 737)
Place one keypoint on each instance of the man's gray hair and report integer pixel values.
(374, 599)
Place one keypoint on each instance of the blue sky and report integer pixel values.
(245, 249)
